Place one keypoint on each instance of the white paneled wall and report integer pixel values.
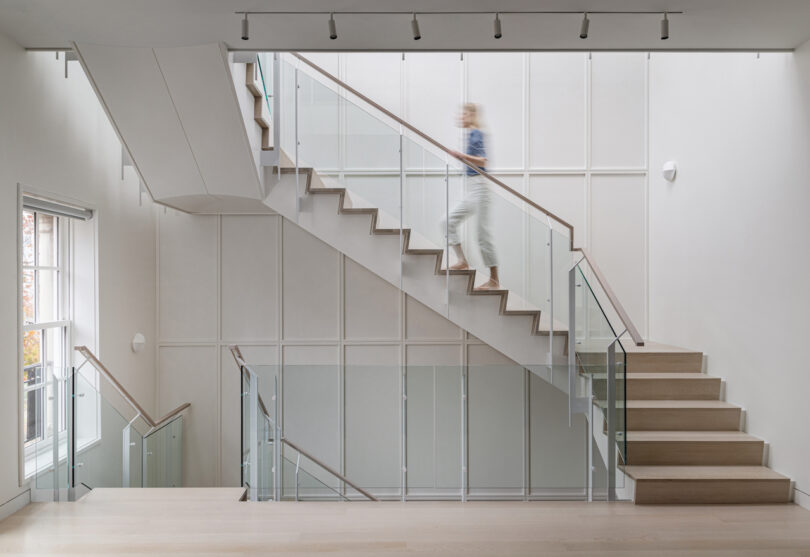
(343, 335)
(567, 129)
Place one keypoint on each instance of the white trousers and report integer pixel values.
(477, 202)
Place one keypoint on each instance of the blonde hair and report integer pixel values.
(475, 114)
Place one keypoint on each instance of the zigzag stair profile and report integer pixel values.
(260, 113)
(683, 443)
(437, 253)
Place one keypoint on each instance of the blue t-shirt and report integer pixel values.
(475, 147)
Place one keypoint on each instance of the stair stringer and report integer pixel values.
(351, 233)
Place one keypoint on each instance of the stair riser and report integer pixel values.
(600, 389)
(673, 389)
(662, 389)
(664, 362)
(717, 492)
(683, 419)
(704, 453)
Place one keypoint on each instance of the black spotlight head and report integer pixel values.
(332, 27)
(415, 28)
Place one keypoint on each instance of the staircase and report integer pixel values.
(683, 444)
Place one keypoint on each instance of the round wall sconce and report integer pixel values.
(138, 342)
(669, 170)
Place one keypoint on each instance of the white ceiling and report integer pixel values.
(706, 24)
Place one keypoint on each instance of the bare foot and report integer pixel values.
(491, 284)
(460, 266)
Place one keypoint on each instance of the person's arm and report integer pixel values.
(477, 161)
(477, 155)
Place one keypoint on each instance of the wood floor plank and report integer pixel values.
(137, 526)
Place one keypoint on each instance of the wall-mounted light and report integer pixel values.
(665, 27)
(583, 29)
(498, 33)
(669, 171)
(415, 28)
(245, 29)
(332, 27)
(138, 342)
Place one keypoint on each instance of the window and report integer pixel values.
(46, 329)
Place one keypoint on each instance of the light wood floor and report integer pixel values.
(211, 522)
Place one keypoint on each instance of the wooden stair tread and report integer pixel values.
(685, 404)
(691, 436)
(667, 404)
(652, 347)
(662, 375)
(702, 473)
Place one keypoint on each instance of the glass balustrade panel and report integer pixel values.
(594, 337)
(163, 460)
(103, 437)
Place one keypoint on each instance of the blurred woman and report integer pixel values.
(477, 200)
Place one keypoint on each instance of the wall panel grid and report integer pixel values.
(371, 381)
(557, 123)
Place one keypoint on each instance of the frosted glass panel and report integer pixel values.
(557, 110)
(496, 85)
(618, 113)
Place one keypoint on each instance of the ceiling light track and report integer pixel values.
(464, 12)
(417, 34)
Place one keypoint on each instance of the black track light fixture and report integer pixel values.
(498, 33)
(583, 29)
(245, 28)
(415, 29)
(665, 27)
(332, 27)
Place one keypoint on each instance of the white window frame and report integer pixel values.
(39, 449)
(39, 454)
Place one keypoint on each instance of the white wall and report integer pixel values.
(569, 130)
(729, 264)
(55, 137)
(342, 334)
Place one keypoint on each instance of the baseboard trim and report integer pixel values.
(801, 498)
(15, 503)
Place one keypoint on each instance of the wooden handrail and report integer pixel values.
(614, 300)
(631, 328)
(328, 469)
(240, 361)
(96, 363)
(436, 144)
